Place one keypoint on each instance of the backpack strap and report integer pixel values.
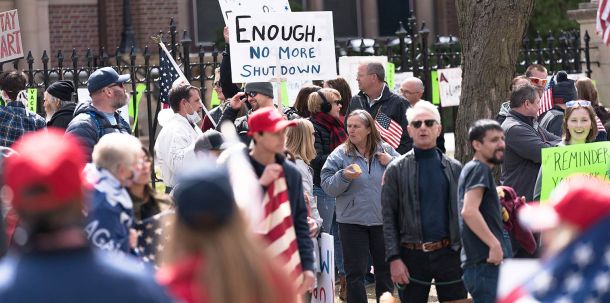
(98, 123)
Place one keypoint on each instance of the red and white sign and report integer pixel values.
(10, 36)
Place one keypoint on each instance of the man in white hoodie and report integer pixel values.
(176, 141)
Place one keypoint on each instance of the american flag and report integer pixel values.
(169, 71)
(603, 21)
(546, 101)
(389, 129)
(579, 273)
(600, 126)
(153, 234)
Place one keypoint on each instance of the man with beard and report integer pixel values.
(100, 117)
(58, 104)
(483, 244)
(422, 241)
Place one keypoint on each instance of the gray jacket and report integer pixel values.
(522, 157)
(359, 200)
(401, 205)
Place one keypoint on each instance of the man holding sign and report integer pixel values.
(15, 119)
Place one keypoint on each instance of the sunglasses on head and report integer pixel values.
(537, 81)
(418, 123)
(578, 103)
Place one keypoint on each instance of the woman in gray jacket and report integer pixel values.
(352, 173)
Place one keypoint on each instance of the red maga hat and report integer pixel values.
(46, 172)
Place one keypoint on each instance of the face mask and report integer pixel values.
(194, 117)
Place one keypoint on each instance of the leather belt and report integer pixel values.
(428, 246)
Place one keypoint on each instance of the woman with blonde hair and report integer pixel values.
(211, 257)
(352, 173)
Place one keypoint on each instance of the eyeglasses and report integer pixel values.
(418, 123)
(251, 94)
(404, 91)
(578, 103)
(537, 81)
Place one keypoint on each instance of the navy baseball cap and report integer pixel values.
(204, 197)
(104, 77)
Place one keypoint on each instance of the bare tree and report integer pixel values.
(491, 33)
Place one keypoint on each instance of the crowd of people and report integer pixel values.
(370, 169)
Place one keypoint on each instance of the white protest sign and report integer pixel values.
(290, 46)
(348, 68)
(251, 6)
(398, 78)
(290, 90)
(324, 292)
(10, 36)
(450, 86)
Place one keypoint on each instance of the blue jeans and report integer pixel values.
(481, 280)
(326, 208)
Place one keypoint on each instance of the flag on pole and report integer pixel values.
(169, 72)
(546, 101)
(579, 273)
(603, 21)
(389, 129)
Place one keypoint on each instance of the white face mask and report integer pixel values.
(194, 117)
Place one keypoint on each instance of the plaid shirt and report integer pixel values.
(15, 121)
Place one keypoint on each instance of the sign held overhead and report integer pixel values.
(10, 36)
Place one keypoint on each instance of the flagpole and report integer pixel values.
(181, 76)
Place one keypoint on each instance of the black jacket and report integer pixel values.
(322, 145)
(401, 206)
(63, 116)
(229, 89)
(89, 125)
(393, 106)
(297, 207)
(241, 123)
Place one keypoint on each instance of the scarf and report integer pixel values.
(334, 126)
(278, 229)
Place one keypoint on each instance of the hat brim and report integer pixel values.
(538, 217)
(123, 78)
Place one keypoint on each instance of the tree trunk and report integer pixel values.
(491, 33)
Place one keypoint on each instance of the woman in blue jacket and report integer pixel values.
(353, 173)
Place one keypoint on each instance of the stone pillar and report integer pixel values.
(585, 15)
(370, 23)
(7, 5)
(314, 5)
(34, 22)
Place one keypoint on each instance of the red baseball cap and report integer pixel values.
(46, 172)
(580, 200)
(267, 119)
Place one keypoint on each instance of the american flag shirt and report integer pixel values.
(16, 120)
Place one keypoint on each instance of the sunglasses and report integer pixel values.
(251, 94)
(578, 103)
(418, 123)
(537, 81)
(337, 102)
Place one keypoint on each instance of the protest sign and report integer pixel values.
(32, 99)
(290, 90)
(250, 6)
(398, 78)
(348, 68)
(390, 73)
(289, 46)
(561, 162)
(10, 36)
(436, 99)
(133, 112)
(324, 292)
(450, 86)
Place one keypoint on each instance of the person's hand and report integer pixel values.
(236, 102)
(495, 254)
(384, 158)
(351, 172)
(225, 33)
(271, 172)
(307, 282)
(313, 227)
(399, 272)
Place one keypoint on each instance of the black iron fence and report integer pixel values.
(409, 50)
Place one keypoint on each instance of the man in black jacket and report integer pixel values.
(423, 241)
(375, 96)
(267, 128)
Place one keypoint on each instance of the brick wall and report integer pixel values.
(72, 26)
